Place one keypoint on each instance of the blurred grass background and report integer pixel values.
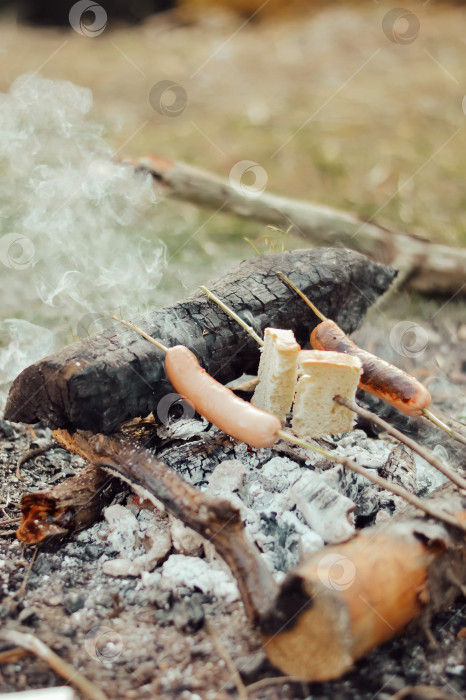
(316, 93)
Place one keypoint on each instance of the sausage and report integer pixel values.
(379, 377)
(217, 403)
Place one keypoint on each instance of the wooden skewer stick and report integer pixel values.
(428, 414)
(145, 335)
(409, 497)
(233, 315)
(443, 426)
(64, 669)
(305, 298)
(423, 452)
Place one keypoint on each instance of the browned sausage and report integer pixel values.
(379, 377)
(217, 403)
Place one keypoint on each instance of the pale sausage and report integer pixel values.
(218, 404)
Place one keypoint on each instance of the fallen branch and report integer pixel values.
(69, 507)
(216, 519)
(427, 266)
(99, 383)
(64, 669)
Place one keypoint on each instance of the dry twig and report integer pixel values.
(64, 669)
(230, 664)
(30, 454)
(274, 680)
(427, 692)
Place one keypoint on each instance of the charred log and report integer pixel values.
(98, 384)
(359, 594)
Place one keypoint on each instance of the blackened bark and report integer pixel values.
(115, 376)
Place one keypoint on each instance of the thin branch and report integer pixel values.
(426, 265)
(10, 656)
(274, 680)
(30, 454)
(443, 426)
(22, 589)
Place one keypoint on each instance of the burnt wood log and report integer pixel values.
(347, 599)
(115, 376)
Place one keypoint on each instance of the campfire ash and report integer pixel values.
(291, 504)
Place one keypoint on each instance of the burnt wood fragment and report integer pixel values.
(71, 506)
(115, 376)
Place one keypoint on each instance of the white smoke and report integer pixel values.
(76, 235)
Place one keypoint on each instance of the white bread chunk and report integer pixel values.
(324, 374)
(278, 372)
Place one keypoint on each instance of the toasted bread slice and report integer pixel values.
(277, 372)
(323, 375)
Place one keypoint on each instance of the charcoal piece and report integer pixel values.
(99, 383)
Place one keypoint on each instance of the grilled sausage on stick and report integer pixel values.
(421, 451)
(218, 404)
(379, 377)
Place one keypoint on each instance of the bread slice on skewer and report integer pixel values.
(323, 375)
(278, 372)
